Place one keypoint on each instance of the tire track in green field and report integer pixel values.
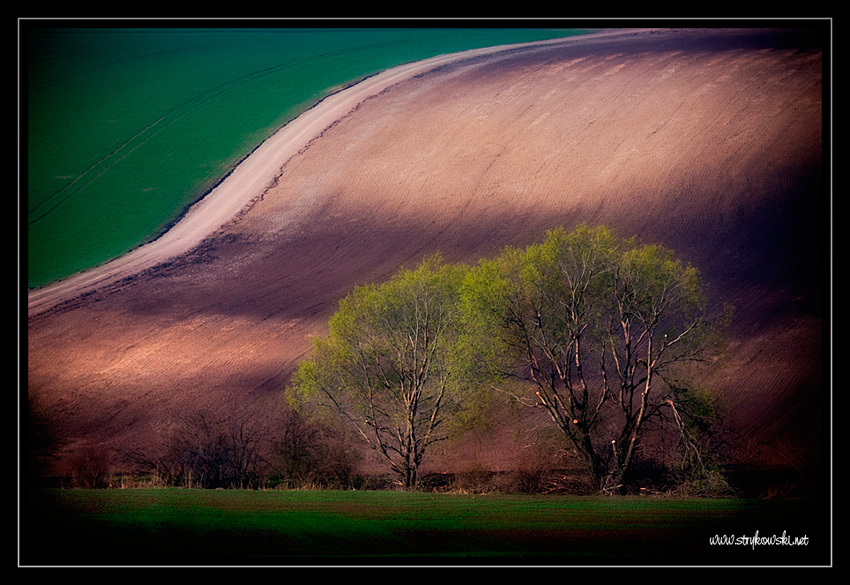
(109, 160)
(101, 166)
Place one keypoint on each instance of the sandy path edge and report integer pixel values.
(255, 174)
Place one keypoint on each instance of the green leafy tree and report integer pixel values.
(602, 328)
(385, 364)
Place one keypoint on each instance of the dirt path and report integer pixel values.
(248, 180)
(707, 141)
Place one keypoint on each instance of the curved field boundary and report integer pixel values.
(250, 179)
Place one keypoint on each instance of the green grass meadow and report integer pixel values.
(329, 528)
(124, 128)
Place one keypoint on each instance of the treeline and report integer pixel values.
(610, 338)
(207, 451)
(204, 452)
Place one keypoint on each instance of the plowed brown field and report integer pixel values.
(708, 141)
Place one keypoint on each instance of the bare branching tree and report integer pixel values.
(207, 452)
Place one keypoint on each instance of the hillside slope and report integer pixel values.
(708, 141)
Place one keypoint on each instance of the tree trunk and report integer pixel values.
(409, 478)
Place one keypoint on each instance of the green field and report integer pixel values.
(215, 527)
(125, 128)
